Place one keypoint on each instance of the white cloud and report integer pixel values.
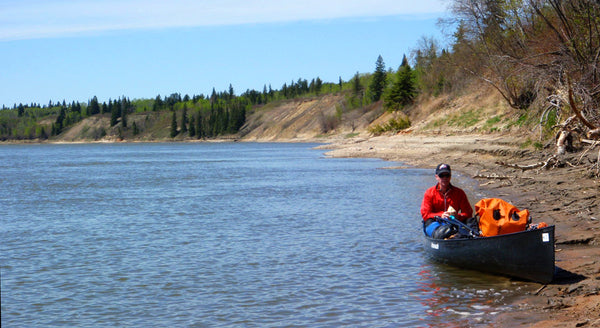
(27, 19)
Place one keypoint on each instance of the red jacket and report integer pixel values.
(435, 203)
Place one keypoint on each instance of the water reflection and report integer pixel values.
(455, 297)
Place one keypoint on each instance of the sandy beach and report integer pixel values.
(565, 195)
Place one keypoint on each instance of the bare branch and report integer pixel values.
(494, 177)
(576, 110)
(594, 134)
(530, 166)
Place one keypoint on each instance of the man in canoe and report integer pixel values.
(444, 200)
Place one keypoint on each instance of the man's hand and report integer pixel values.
(450, 212)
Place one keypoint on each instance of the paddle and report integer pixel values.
(458, 223)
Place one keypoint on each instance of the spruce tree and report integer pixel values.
(377, 85)
(114, 114)
(192, 128)
(318, 85)
(199, 131)
(284, 90)
(403, 90)
(124, 113)
(231, 93)
(357, 88)
(94, 107)
(174, 125)
(42, 133)
(265, 95)
(184, 120)
(158, 104)
(60, 120)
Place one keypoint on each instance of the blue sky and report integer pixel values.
(77, 49)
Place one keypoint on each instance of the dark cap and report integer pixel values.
(442, 168)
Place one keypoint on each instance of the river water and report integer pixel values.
(222, 235)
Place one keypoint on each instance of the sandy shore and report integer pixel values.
(565, 196)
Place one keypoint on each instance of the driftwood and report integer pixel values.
(594, 131)
(561, 148)
(495, 177)
(503, 178)
(521, 167)
(498, 177)
(593, 134)
(530, 166)
(594, 143)
(598, 165)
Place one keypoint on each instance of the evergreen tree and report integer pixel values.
(135, 129)
(377, 85)
(403, 90)
(158, 104)
(199, 130)
(124, 106)
(42, 133)
(357, 88)
(76, 107)
(213, 96)
(231, 93)
(192, 128)
(174, 125)
(340, 83)
(315, 86)
(59, 124)
(115, 112)
(93, 107)
(318, 85)
(184, 120)
(265, 95)
(284, 90)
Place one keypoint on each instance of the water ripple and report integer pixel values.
(221, 236)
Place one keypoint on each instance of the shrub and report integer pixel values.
(393, 125)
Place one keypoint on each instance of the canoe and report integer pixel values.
(527, 255)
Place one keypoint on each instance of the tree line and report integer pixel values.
(199, 116)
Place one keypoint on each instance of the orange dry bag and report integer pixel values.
(498, 217)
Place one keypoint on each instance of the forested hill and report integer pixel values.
(310, 117)
(539, 57)
(385, 101)
(302, 109)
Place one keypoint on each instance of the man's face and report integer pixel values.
(443, 179)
